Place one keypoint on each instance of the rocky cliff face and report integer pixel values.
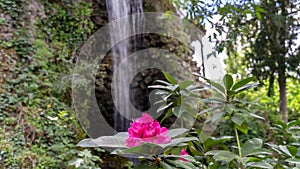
(139, 86)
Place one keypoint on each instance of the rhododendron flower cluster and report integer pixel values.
(146, 129)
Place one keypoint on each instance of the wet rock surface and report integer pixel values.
(179, 56)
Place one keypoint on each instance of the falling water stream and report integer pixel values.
(116, 10)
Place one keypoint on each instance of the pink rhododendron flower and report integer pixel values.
(183, 152)
(146, 129)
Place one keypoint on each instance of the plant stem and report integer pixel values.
(239, 145)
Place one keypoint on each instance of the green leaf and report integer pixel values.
(259, 9)
(260, 151)
(230, 92)
(242, 82)
(293, 123)
(214, 100)
(258, 15)
(177, 132)
(209, 110)
(217, 116)
(216, 141)
(261, 165)
(163, 82)
(161, 108)
(292, 149)
(222, 155)
(177, 141)
(178, 110)
(256, 116)
(104, 141)
(285, 150)
(167, 115)
(148, 149)
(245, 87)
(151, 149)
(217, 87)
(228, 81)
(175, 151)
(171, 88)
(169, 78)
(293, 160)
(165, 165)
(243, 128)
(185, 84)
(237, 119)
(122, 134)
(251, 145)
(181, 164)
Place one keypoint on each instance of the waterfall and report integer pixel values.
(117, 9)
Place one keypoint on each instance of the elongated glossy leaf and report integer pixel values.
(104, 141)
(285, 150)
(177, 132)
(181, 164)
(151, 149)
(169, 78)
(258, 15)
(242, 82)
(148, 149)
(216, 86)
(165, 98)
(171, 88)
(213, 152)
(228, 81)
(122, 134)
(256, 116)
(293, 123)
(164, 107)
(260, 151)
(247, 86)
(163, 82)
(177, 141)
(261, 165)
(214, 141)
(167, 115)
(294, 160)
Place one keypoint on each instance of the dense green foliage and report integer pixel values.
(39, 129)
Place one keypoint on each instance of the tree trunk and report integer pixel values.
(283, 35)
(282, 91)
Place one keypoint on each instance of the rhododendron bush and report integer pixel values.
(158, 147)
(145, 138)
